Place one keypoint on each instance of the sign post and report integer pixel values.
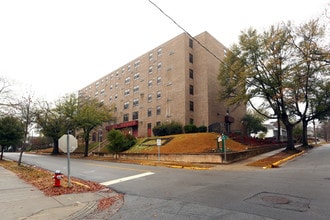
(159, 143)
(68, 143)
(224, 137)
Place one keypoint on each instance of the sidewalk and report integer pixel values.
(243, 163)
(20, 200)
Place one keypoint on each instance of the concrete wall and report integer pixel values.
(212, 158)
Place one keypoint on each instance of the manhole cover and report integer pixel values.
(276, 199)
(280, 201)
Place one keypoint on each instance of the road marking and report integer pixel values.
(111, 182)
(116, 167)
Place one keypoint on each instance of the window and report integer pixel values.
(135, 115)
(127, 80)
(191, 106)
(150, 83)
(191, 58)
(125, 117)
(158, 123)
(158, 110)
(191, 73)
(159, 80)
(191, 45)
(151, 56)
(126, 105)
(159, 95)
(111, 88)
(135, 102)
(150, 69)
(149, 98)
(116, 96)
(116, 85)
(159, 52)
(136, 89)
(191, 89)
(137, 63)
(126, 92)
(123, 70)
(129, 68)
(149, 112)
(159, 65)
(136, 76)
(110, 99)
(102, 92)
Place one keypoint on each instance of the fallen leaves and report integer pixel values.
(43, 180)
(105, 203)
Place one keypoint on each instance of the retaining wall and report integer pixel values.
(215, 158)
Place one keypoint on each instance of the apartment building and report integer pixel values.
(176, 81)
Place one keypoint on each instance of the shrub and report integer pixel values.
(202, 128)
(175, 128)
(130, 141)
(190, 128)
(167, 129)
(119, 142)
(160, 130)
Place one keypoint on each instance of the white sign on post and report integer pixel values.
(62, 143)
(68, 143)
(159, 143)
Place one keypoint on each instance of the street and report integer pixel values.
(299, 189)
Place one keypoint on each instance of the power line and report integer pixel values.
(209, 51)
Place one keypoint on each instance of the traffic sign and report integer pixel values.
(159, 142)
(63, 143)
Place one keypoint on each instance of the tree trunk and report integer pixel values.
(21, 155)
(1, 152)
(55, 148)
(304, 133)
(278, 130)
(290, 142)
(86, 147)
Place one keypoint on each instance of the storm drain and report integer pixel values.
(280, 201)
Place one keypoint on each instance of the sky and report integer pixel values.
(52, 48)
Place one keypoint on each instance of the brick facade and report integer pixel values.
(176, 81)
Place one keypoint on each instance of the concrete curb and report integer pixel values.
(278, 163)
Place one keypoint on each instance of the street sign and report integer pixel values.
(63, 143)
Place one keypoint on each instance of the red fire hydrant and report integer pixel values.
(57, 177)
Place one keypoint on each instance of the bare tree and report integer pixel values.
(5, 96)
(25, 110)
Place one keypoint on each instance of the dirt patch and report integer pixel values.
(275, 160)
(188, 143)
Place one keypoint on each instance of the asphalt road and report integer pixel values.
(300, 189)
